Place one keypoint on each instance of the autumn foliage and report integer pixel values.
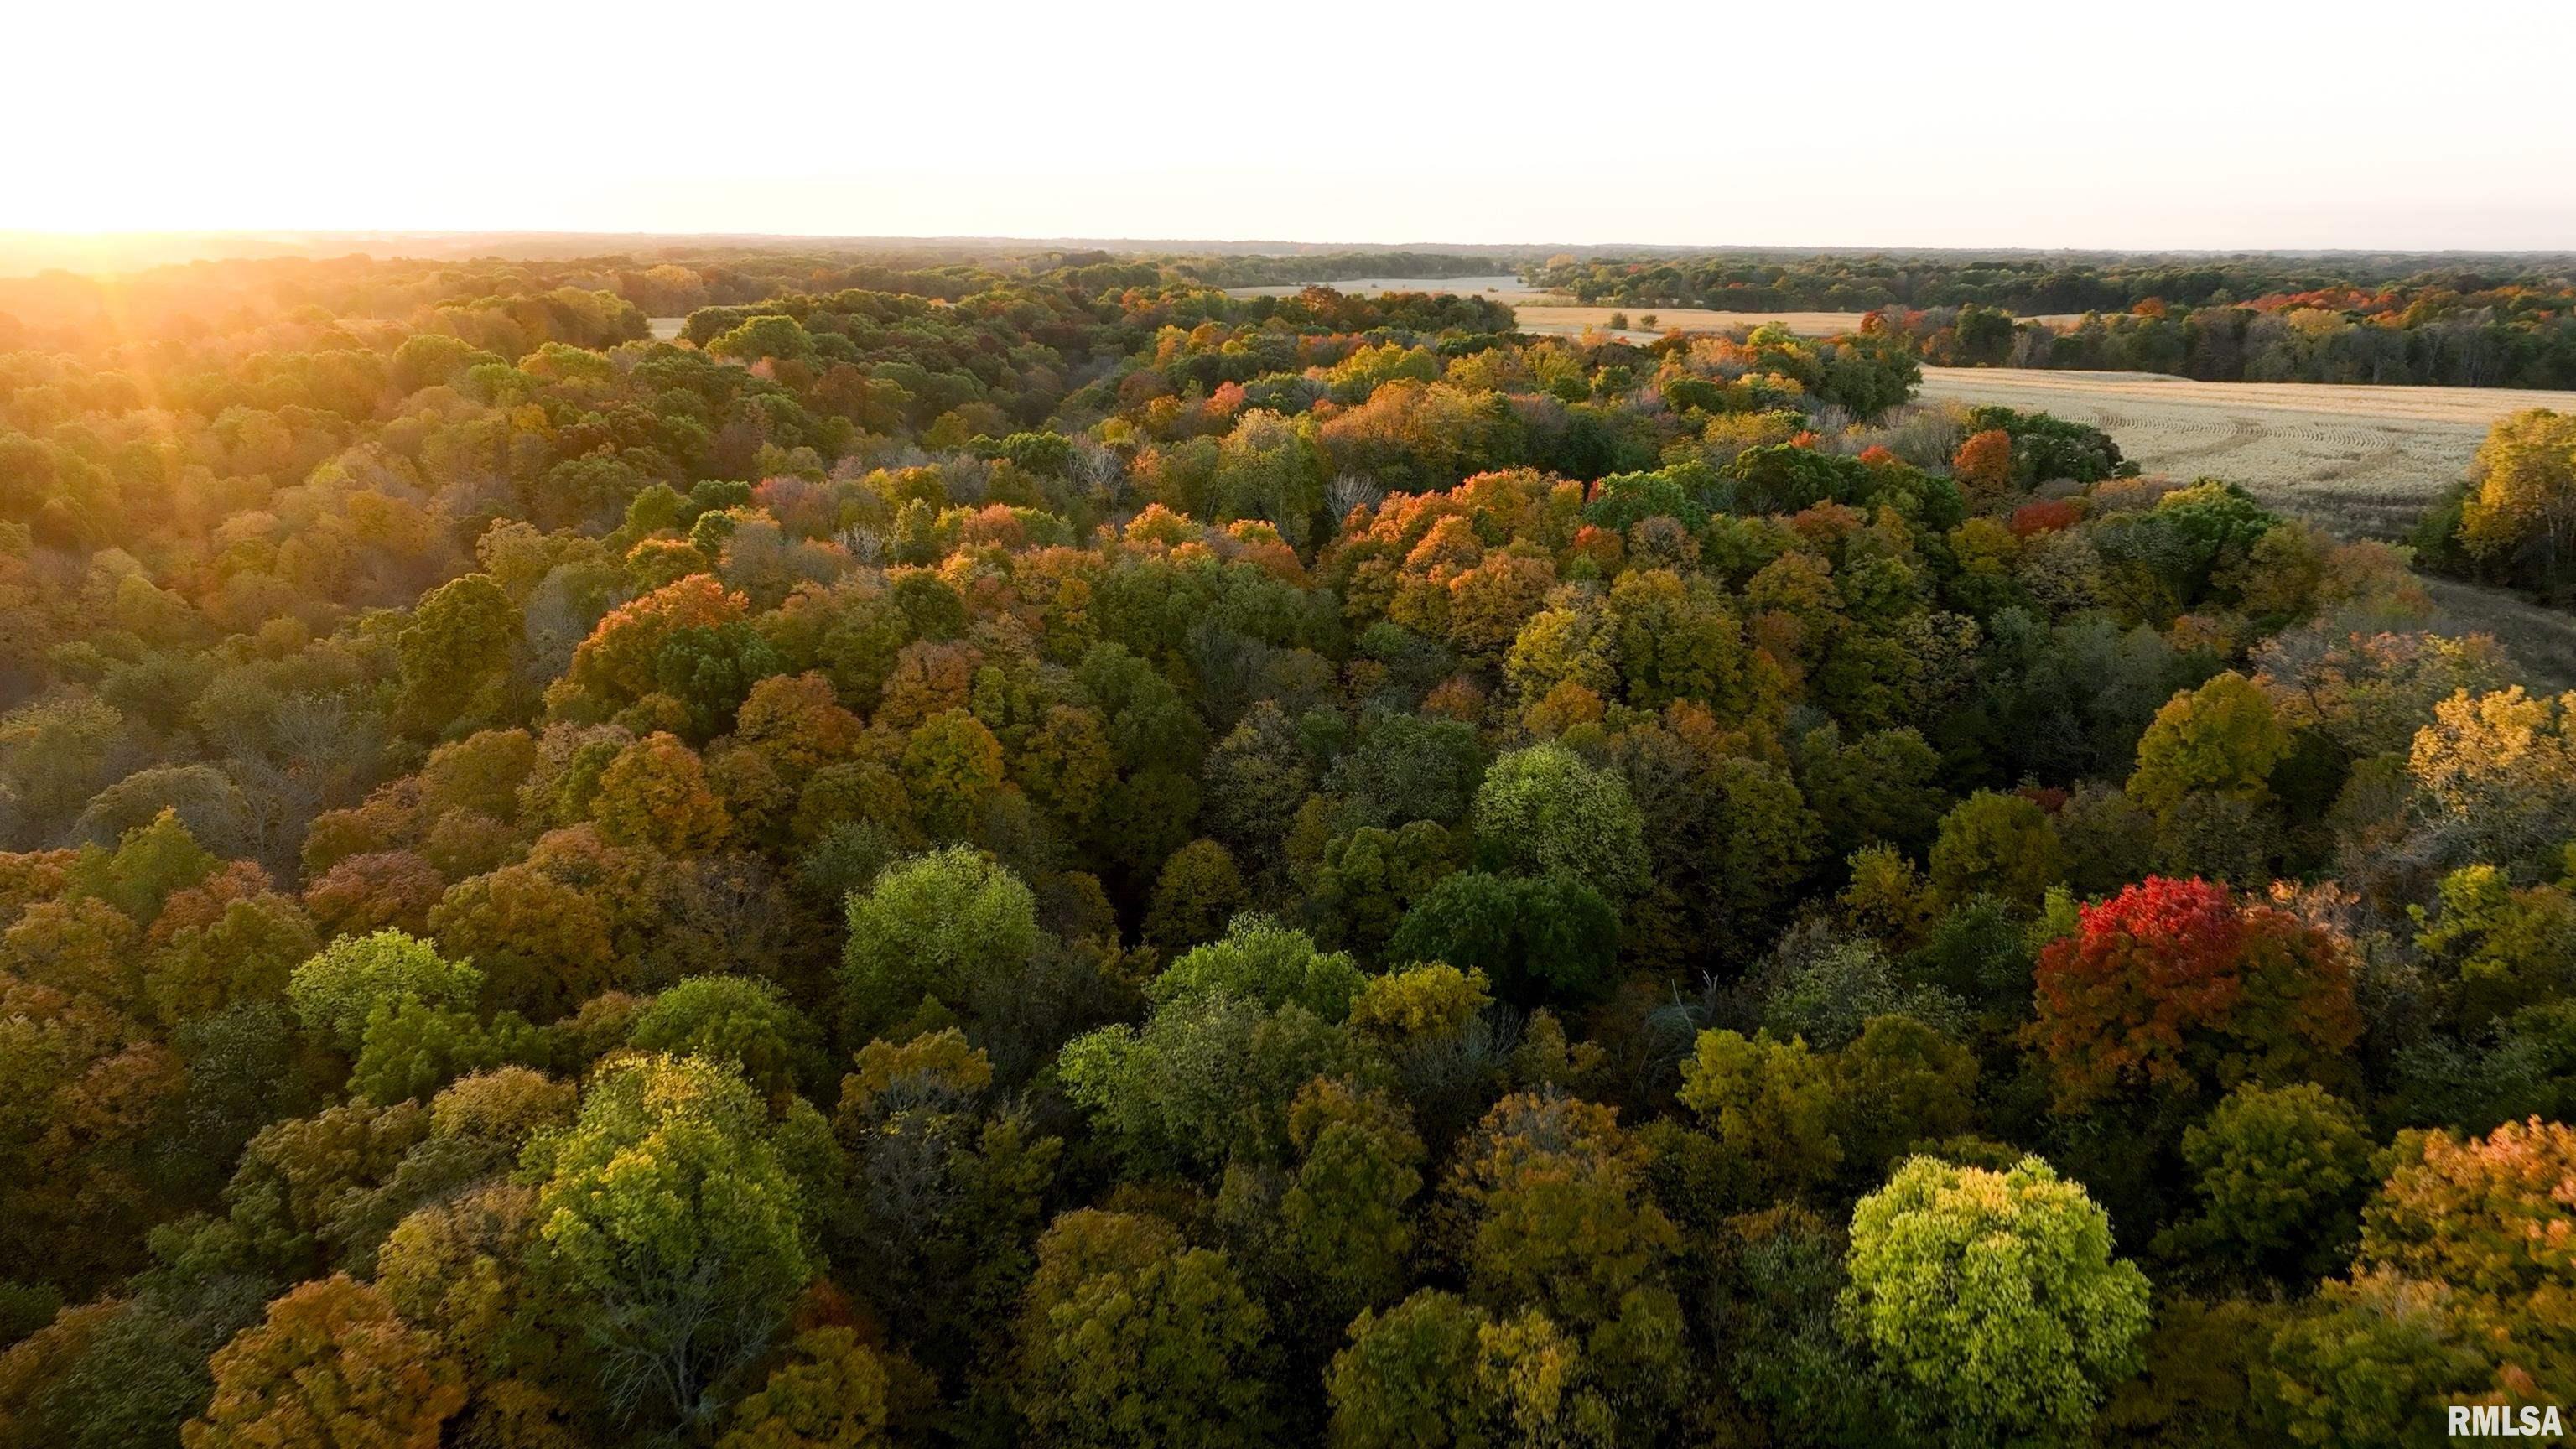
(1053, 854)
(332, 1365)
(2177, 985)
(1984, 463)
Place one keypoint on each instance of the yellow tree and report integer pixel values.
(2221, 738)
(2523, 488)
(655, 793)
(2495, 773)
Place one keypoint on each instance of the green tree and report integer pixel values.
(1993, 1298)
(1271, 468)
(1675, 639)
(740, 1020)
(411, 1048)
(949, 1197)
(1198, 892)
(2280, 1172)
(672, 1216)
(1208, 1077)
(1333, 1235)
(336, 992)
(301, 1182)
(456, 654)
(1408, 767)
(1771, 1106)
(1551, 938)
(1544, 810)
(832, 1394)
(711, 669)
(1558, 1226)
(1901, 1082)
(1406, 1380)
(1369, 877)
(2373, 1363)
(1440, 1373)
(209, 804)
(150, 863)
(950, 924)
(1999, 845)
(1264, 962)
(951, 769)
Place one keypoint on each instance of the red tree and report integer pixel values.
(2046, 516)
(2176, 984)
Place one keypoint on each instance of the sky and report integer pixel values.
(2251, 124)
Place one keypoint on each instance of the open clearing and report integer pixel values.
(2361, 461)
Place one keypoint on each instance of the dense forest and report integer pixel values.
(1035, 854)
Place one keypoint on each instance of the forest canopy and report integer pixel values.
(984, 851)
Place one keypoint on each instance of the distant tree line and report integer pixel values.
(2024, 284)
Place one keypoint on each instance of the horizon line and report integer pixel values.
(1165, 244)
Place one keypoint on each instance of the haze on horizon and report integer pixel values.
(2003, 124)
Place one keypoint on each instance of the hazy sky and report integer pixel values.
(2193, 124)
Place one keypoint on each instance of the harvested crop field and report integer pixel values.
(1559, 318)
(1502, 287)
(1556, 314)
(1562, 316)
(2364, 459)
